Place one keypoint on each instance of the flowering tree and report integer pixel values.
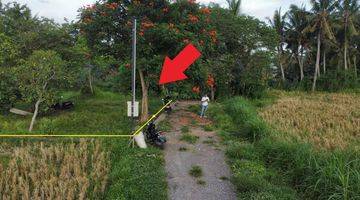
(164, 29)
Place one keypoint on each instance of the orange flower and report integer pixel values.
(201, 43)
(192, 1)
(141, 33)
(111, 6)
(147, 25)
(205, 11)
(193, 18)
(210, 81)
(196, 89)
(165, 10)
(127, 65)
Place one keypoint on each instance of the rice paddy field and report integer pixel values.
(73, 168)
(326, 120)
(292, 145)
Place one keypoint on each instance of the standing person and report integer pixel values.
(204, 105)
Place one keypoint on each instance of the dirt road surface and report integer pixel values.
(207, 153)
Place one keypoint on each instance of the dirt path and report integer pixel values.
(206, 153)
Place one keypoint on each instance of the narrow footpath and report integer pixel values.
(195, 163)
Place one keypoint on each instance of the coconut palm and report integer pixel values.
(235, 6)
(320, 25)
(278, 23)
(297, 41)
(348, 10)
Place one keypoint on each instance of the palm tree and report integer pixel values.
(296, 39)
(320, 25)
(235, 6)
(348, 9)
(278, 23)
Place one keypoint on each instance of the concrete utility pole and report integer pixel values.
(133, 85)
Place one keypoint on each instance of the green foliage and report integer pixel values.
(337, 80)
(8, 89)
(247, 124)
(40, 76)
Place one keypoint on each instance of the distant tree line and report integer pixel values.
(319, 46)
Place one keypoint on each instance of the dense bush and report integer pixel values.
(8, 90)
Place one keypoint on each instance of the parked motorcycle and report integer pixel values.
(154, 136)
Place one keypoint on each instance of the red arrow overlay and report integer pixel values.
(173, 70)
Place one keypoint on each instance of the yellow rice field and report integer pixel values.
(327, 120)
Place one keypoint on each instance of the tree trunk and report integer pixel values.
(90, 82)
(324, 63)
(355, 67)
(212, 93)
(345, 54)
(281, 64)
(301, 64)
(37, 104)
(317, 66)
(282, 71)
(145, 99)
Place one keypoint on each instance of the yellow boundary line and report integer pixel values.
(87, 136)
(151, 118)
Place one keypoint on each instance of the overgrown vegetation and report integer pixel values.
(267, 164)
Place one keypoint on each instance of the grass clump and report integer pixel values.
(192, 139)
(201, 182)
(196, 171)
(164, 125)
(183, 149)
(208, 128)
(185, 129)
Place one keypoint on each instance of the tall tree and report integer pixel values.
(235, 6)
(296, 39)
(320, 25)
(278, 23)
(348, 9)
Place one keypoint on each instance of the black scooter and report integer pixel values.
(154, 136)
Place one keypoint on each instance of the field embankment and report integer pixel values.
(272, 159)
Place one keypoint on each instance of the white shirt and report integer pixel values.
(205, 101)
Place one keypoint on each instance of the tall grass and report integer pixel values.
(71, 171)
(265, 164)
